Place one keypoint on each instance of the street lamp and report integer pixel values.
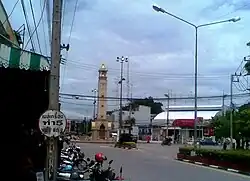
(121, 60)
(161, 10)
(94, 103)
(167, 95)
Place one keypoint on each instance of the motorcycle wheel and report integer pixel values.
(82, 165)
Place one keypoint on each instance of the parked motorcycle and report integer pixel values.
(72, 158)
(166, 141)
(93, 172)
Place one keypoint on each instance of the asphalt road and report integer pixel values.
(154, 162)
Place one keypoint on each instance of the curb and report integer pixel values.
(214, 166)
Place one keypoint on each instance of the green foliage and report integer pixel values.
(233, 156)
(130, 122)
(126, 145)
(156, 107)
(241, 123)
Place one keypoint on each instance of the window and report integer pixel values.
(101, 116)
(102, 105)
(102, 95)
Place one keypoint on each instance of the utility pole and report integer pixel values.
(130, 108)
(223, 103)
(121, 60)
(52, 147)
(94, 103)
(167, 120)
(232, 80)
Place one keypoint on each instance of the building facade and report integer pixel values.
(141, 115)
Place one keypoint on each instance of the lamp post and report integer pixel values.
(167, 120)
(196, 27)
(94, 103)
(121, 60)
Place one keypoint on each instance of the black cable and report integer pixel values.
(11, 12)
(70, 34)
(28, 26)
(30, 39)
(44, 34)
(34, 21)
(78, 96)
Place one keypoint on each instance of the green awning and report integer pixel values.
(11, 57)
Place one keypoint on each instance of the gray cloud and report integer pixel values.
(160, 48)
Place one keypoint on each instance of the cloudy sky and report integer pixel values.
(160, 48)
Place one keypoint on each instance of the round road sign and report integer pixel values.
(52, 123)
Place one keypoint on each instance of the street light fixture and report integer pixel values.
(167, 120)
(121, 60)
(161, 10)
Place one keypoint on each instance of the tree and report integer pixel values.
(241, 124)
(156, 107)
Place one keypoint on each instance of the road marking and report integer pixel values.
(210, 168)
(105, 146)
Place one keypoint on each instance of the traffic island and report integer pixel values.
(230, 160)
(126, 145)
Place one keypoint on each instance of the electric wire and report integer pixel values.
(69, 38)
(40, 19)
(30, 39)
(28, 27)
(44, 34)
(34, 21)
(14, 7)
(79, 97)
(149, 75)
(49, 22)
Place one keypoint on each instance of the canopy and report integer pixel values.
(11, 57)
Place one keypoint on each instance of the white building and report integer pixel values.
(141, 115)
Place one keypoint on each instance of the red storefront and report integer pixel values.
(186, 123)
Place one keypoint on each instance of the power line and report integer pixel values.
(30, 39)
(48, 13)
(28, 26)
(34, 21)
(149, 75)
(78, 97)
(44, 34)
(14, 7)
(70, 33)
(40, 19)
(82, 104)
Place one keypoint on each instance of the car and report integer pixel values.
(208, 142)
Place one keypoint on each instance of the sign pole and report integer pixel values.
(52, 146)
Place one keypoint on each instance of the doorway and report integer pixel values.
(102, 132)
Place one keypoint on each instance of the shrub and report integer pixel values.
(233, 156)
(126, 145)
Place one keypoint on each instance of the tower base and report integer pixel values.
(101, 129)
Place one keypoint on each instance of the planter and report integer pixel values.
(213, 162)
(180, 156)
(197, 158)
(224, 164)
(190, 158)
(204, 161)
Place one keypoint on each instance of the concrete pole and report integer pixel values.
(52, 144)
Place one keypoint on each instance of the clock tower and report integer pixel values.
(101, 126)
